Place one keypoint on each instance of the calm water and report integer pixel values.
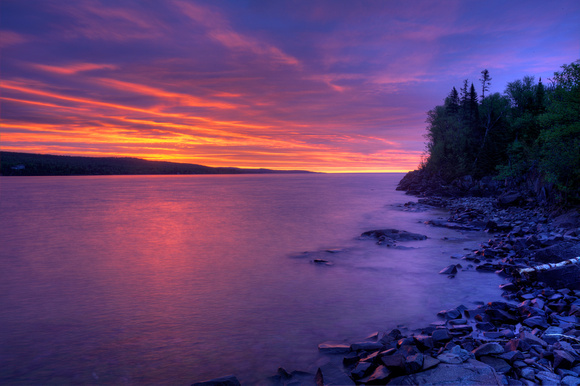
(176, 279)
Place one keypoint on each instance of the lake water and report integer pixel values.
(177, 279)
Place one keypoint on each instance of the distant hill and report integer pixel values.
(27, 164)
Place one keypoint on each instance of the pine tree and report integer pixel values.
(485, 82)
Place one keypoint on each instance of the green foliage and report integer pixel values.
(531, 127)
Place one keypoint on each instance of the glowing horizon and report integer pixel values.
(326, 86)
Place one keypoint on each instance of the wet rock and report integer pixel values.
(499, 365)
(450, 314)
(379, 376)
(229, 380)
(361, 370)
(283, 378)
(450, 270)
(391, 236)
(332, 375)
(440, 336)
(488, 349)
(424, 342)
(470, 373)
(333, 348)
(414, 363)
(366, 346)
(395, 363)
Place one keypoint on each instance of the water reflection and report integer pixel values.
(172, 279)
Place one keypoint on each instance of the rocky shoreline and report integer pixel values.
(531, 338)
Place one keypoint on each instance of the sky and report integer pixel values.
(327, 86)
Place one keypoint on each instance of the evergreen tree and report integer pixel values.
(485, 82)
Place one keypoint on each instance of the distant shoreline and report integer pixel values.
(30, 164)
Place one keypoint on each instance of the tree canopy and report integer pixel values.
(530, 127)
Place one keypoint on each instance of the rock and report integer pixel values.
(390, 236)
(440, 336)
(395, 363)
(536, 321)
(570, 381)
(500, 365)
(282, 378)
(456, 355)
(429, 362)
(563, 359)
(360, 370)
(528, 373)
(485, 326)
(552, 334)
(470, 373)
(414, 363)
(512, 356)
(509, 199)
(501, 316)
(548, 378)
(229, 380)
(424, 342)
(333, 348)
(531, 339)
(366, 346)
(517, 344)
(488, 349)
(450, 314)
(379, 376)
(450, 270)
(332, 375)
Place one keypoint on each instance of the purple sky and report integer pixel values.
(317, 85)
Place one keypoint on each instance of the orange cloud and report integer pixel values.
(74, 68)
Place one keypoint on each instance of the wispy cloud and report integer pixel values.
(327, 86)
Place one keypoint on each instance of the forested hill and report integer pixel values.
(26, 164)
(528, 135)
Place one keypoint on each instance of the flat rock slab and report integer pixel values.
(471, 372)
(333, 348)
(393, 234)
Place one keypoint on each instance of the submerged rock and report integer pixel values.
(389, 237)
(229, 380)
